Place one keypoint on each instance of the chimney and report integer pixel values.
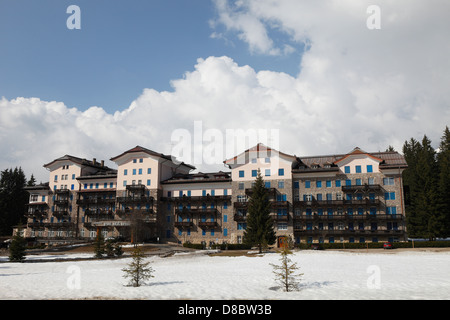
(103, 163)
(94, 161)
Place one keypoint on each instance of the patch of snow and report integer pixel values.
(327, 275)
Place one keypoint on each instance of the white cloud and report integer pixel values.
(357, 87)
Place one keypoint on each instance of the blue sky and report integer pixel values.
(138, 71)
(122, 48)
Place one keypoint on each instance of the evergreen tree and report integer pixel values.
(99, 246)
(425, 218)
(444, 179)
(32, 181)
(259, 231)
(13, 199)
(109, 248)
(285, 273)
(17, 247)
(138, 271)
(118, 251)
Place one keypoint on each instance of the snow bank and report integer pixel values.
(327, 275)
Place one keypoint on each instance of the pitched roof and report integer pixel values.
(388, 159)
(199, 177)
(79, 161)
(138, 149)
(259, 148)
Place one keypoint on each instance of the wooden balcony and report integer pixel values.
(61, 213)
(350, 217)
(337, 203)
(240, 217)
(208, 224)
(365, 188)
(62, 191)
(186, 199)
(198, 210)
(183, 224)
(96, 201)
(135, 200)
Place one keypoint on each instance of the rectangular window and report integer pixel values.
(318, 184)
(134, 172)
(388, 181)
(348, 182)
(134, 160)
(267, 184)
(241, 174)
(225, 232)
(358, 182)
(140, 171)
(254, 173)
(267, 160)
(338, 183)
(281, 172)
(141, 160)
(149, 182)
(296, 185)
(389, 196)
(241, 186)
(369, 168)
(124, 183)
(282, 226)
(347, 169)
(149, 170)
(73, 176)
(125, 172)
(307, 184)
(280, 184)
(225, 217)
(328, 183)
(267, 172)
(358, 169)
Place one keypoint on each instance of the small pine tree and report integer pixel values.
(138, 271)
(99, 246)
(17, 247)
(118, 249)
(109, 248)
(285, 273)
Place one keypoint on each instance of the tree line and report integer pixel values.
(13, 198)
(427, 187)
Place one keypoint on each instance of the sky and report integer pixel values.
(310, 77)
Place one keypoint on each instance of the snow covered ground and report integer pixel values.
(327, 275)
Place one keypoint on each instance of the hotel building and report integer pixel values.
(353, 197)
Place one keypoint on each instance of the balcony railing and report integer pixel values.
(206, 198)
(338, 203)
(280, 217)
(388, 217)
(98, 201)
(240, 217)
(183, 224)
(207, 224)
(141, 200)
(363, 188)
